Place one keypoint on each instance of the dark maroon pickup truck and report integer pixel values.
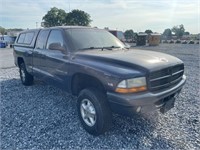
(98, 68)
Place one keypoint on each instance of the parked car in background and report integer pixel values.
(2, 44)
(7, 39)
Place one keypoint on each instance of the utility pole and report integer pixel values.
(69, 7)
(36, 24)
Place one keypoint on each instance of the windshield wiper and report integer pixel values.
(102, 48)
(110, 47)
(89, 48)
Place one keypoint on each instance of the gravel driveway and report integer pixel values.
(44, 117)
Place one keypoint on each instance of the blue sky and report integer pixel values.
(138, 15)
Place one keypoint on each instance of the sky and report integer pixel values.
(138, 15)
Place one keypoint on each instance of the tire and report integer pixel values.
(93, 105)
(26, 78)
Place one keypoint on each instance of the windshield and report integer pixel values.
(88, 38)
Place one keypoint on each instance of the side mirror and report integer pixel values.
(56, 46)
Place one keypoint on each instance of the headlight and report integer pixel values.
(132, 85)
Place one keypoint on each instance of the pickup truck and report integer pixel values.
(95, 66)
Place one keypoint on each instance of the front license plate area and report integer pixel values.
(168, 105)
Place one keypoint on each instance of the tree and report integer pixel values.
(78, 17)
(178, 30)
(186, 33)
(58, 17)
(2, 30)
(167, 33)
(148, 31)
(129, 34)
(54, 17)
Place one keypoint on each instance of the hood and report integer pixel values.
(148, 60)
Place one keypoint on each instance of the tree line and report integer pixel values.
(178, 31)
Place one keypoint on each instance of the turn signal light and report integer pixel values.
(131, 90)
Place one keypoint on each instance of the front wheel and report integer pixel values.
(26, 78)
(94, 111)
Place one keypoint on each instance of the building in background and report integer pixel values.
(118, 34)
(154, 39)
(141, 39)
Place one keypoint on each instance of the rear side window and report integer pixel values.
(42, 39)
(21, 38)
(28, 38)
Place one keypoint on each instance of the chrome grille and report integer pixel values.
(166, 77)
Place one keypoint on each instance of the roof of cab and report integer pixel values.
(61, 27)
(29, 30)
(73, 27)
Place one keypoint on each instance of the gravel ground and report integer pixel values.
(44, 117)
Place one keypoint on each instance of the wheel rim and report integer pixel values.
(88, 112)
(23, 75)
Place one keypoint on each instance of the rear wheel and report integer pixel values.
(94, 111)
(26, 78)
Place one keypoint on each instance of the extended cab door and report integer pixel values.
(39, 58)
(57, 59)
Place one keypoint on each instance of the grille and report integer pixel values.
(166, 77)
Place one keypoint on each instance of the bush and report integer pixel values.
(178, 41)
(165, 41)
(191, 42)
(184, 42)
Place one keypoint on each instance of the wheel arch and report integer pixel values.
(81, 81)
(20, 60)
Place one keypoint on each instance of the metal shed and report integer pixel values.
(141, 39)
(154, 39)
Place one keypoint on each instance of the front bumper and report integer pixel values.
(144, 101)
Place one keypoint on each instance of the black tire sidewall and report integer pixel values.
(28, 78)
(96, 98)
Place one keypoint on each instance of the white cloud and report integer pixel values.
(122, 14)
